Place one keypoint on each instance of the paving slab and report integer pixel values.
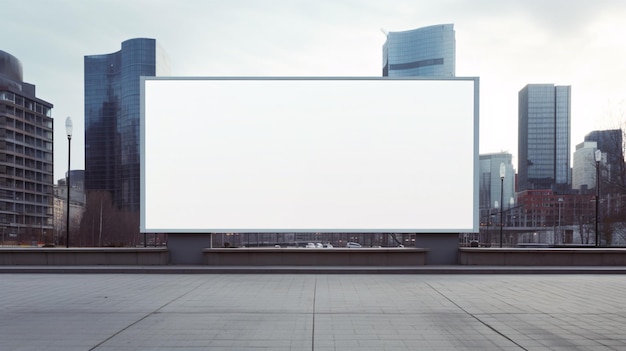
(114, 311)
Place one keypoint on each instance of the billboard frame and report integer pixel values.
(474, 227)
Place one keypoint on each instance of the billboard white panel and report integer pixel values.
(309, 155)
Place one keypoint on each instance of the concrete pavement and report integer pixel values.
(106, 311)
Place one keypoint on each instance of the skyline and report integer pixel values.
(506, 44)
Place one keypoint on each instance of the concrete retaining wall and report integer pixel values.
(542, 256)
(315, 257)
(84, 256)
(382, 257)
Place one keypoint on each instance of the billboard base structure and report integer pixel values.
(443, 249)
(187, 248)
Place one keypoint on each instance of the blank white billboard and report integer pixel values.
(224, 155)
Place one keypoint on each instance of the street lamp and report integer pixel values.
(598, 156)
(68, 131)
(502, 173)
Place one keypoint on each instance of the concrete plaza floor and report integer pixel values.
(52, 311)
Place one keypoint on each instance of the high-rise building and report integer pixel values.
(26, 136)
(427, 51)
(544, 137)
(584, 167)
(112, 102)
(490, 185)
(610, 143)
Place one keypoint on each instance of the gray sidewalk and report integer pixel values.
(312, 312)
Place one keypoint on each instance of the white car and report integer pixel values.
(353, 245)
(310, 246)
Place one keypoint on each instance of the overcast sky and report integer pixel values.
(507, 43)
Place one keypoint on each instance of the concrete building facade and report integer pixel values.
(584, 166)
(26, 162)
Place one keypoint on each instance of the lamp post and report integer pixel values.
(68, 131)
(511, 213)
(502, 173)
(496, 207)
(561, 239)
(598, 156)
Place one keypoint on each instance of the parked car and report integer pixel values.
(353, 245)
(310, 246)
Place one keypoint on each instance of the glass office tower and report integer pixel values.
(112, 101)
(428, 51)
(544, 137)
(610, 142)
(26, 184)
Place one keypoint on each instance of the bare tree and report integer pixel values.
(612, 183)
(105, 225)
